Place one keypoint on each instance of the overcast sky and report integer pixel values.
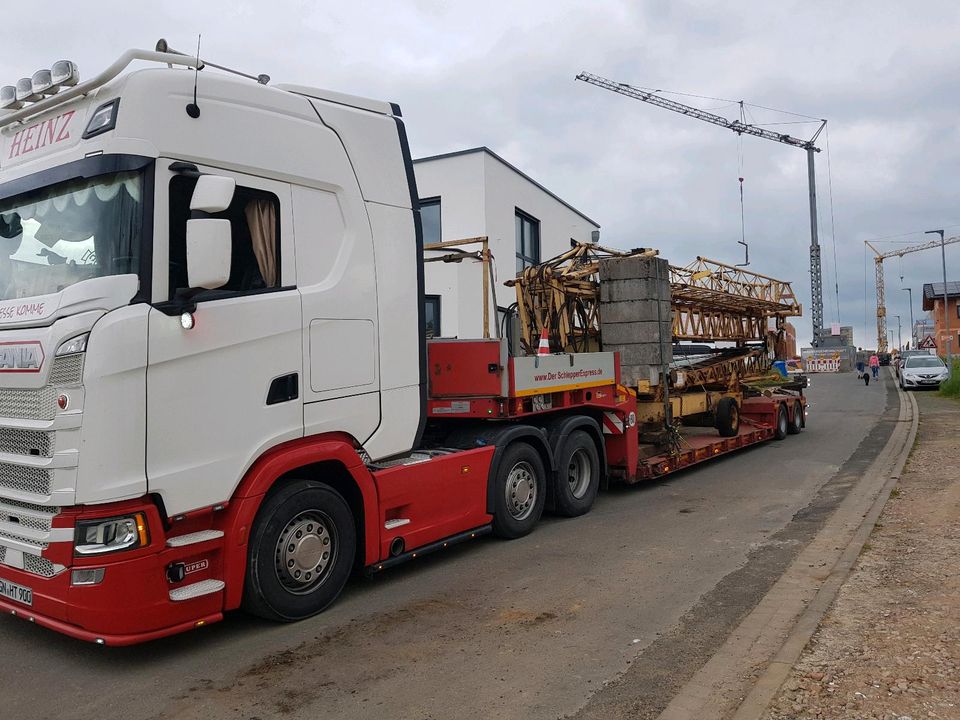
(884, 74)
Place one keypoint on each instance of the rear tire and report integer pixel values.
(782, 427)
(798, 422)
(519, 492)
(578, 475)
(301, 552)
(727, 417)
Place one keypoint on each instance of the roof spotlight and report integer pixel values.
(43, 83)
(8, 98)
(25, 90)
(64, 73)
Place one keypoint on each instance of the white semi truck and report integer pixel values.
(213, 371)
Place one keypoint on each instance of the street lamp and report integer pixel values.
(913, 332)
(899, 338)
(946, 315)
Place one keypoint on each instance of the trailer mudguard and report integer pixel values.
(500, 436)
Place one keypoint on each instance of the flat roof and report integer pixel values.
(518, 171)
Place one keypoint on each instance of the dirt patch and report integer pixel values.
(890, 645)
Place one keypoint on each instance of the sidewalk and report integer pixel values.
(889, 647)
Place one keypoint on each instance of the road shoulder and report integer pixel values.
(744, 674)
(890, 644)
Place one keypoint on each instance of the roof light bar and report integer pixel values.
(42, 84)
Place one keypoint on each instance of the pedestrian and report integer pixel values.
(875, 366)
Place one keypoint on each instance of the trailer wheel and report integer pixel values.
(578, 475)
(728, 417)
(782, 427)
(301, 552)
(798, 422)
(520, 491)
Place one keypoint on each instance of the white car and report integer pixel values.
(922, 371)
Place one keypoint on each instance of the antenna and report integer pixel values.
(193, 110)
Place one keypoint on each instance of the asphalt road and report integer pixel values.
(601, 616)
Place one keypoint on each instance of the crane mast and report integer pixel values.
(742, 128)
(882, 345)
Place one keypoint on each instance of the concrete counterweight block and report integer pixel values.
(636, 318)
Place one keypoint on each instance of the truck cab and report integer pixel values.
(196, 269)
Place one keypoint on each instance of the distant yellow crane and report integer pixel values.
(878, 267)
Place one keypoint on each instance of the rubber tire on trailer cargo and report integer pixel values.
(521, 469)
(782, 427)
(303, 523)
(798, 422)
(578, 475)
(727, 417)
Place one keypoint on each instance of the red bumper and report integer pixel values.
(132, 603)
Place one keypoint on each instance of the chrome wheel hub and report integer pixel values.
(579, 473)
(521, 491)
(306, 549)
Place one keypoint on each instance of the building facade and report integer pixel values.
(476, 193)
(946, 328)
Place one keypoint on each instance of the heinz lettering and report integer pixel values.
(47, 132)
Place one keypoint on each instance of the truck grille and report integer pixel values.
(26, 442)
(41, 404)
(38, 565)
(25, 479)
(67, 370)
(28, 404)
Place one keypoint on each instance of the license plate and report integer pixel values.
(17, 593)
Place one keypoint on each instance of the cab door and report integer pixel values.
(223, 391)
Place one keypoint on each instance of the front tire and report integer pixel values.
(301, 552)
(578, 475)
(519, 491)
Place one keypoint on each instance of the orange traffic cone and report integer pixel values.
(544, 347)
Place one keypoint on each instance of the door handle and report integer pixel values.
(284, 389)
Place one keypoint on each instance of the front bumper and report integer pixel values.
(916, 382)
(132, 603)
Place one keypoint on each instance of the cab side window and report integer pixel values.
(254, 217)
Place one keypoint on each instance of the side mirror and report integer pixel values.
(213, 193)
(209, 251)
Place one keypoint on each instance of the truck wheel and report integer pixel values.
(301, 552)
(578, 476)
(782, 427)
(519, 491)
(798, 422)
(728, 417)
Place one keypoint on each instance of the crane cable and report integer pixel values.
(743, 226)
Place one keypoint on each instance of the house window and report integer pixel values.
(528, 240)
(430, 220)
(254, 217)
(431, 305)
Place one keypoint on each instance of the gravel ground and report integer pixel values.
(890, 646)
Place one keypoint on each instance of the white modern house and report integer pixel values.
(476, 193)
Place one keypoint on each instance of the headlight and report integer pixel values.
(73, 345)
(96, 537)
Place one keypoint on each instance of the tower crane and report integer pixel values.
(742, 128)
(878, 268)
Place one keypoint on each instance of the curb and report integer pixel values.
(772, 637)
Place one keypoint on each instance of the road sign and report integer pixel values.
(928, 343)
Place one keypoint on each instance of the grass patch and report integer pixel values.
(951, 388)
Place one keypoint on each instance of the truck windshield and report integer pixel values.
(76, 230)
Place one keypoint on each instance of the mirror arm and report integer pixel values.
(183, 300)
